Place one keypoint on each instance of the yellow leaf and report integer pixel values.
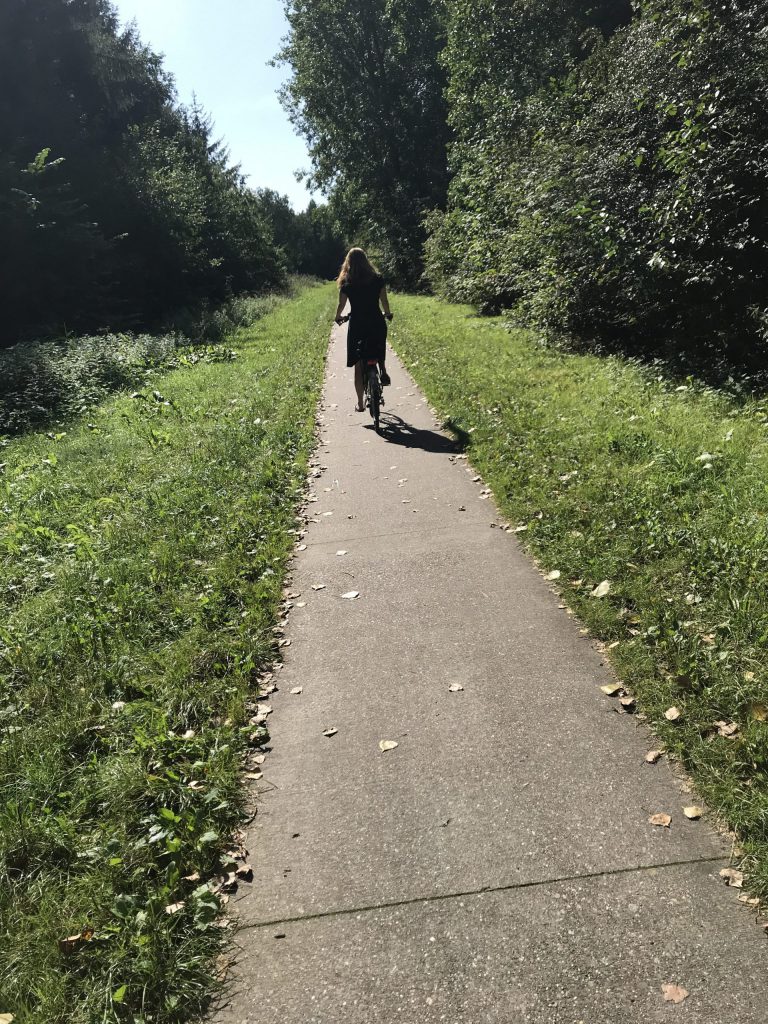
(693, 813)
(385, 745)
(672, 714)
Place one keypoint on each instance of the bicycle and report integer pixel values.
(372, 387)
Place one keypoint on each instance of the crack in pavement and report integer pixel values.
(510, 887)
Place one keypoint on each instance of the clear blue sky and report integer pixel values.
(218, 50)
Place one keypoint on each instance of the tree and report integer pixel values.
(366, 92)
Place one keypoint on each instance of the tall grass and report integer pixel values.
(143, 555)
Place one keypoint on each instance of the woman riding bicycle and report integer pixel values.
(363, 287)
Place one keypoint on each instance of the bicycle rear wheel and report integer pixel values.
(374, 395)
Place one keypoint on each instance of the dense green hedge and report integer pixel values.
(611, 177)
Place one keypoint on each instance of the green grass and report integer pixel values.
(143, 556)
(659, 487)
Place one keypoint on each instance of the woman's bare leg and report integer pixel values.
(359, 386)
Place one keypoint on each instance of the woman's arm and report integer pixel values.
(341, 305)
(384, 300)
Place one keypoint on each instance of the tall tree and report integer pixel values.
(367, 94)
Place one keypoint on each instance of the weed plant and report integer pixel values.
(612, 471)
(47, 382)
(143, 555)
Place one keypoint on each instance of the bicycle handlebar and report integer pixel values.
(343, 319)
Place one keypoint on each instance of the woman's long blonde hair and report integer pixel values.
(356, 269)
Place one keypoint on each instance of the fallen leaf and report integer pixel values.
(385, 745)
(672, 714)
(117, 706)
(455, 687)
(302, 547)
(751, 901)
(520, 529)
(327, 513)
(749, 676)
(628, 703)
(318, 586)
(296, 690)
(194, 784)
(615, 643)
(301, 604)
(660, 820)
(245, 873)
(653, 756)
(73, 942)
(674, 993)
(285, 642)
(8, 1018)
(759, 712)
(554, 575)
(174, 908)
(340, 553)
(330, 732)
(732, 877)
(612, 690)
(351, 595)
(194, 877)
(693, 813)
(260, 759)
(254, 776)
(727, 728)
(602, 589)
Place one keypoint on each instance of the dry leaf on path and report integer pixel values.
(330, 732)
(672, 714)
(340, 553)
(674, 993)
(297, 690)
(602, 589)
(302, 547)
(318, 586)
(554, 575)
(455, 687)
(653, 756)
(385, 745)
(254, 776)
(693, 813)
(660, 820)
(732, 877)
(612, 690)
(351, 595)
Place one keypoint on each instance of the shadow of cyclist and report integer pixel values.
(396, 430)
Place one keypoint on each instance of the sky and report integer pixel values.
(218, 50)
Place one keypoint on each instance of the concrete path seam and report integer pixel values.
(510, 887)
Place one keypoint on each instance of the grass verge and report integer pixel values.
(143, 556)
(612, 472)
(46, 383)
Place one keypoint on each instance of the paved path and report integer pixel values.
(498, 865)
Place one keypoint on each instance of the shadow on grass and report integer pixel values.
(396, 430)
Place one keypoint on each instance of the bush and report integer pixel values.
(620, 196)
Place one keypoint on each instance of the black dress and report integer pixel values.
(367, 334)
